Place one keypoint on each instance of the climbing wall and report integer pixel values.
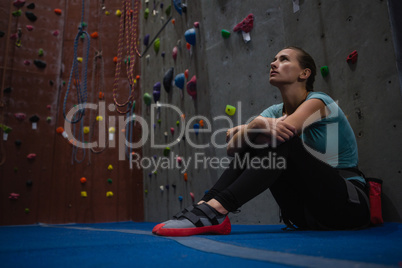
(355, 56)
(45, 176)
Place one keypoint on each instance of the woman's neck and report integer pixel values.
(292, 98)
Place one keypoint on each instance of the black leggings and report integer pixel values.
(310, 193)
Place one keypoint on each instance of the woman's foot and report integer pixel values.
(200, 219)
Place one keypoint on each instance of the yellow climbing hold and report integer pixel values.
(107, 13)
(109, 194)
(110, 167)
(118, 13)
(112, 130)
(99, 118)
(84, 194)
(230, 110)
(86, 130)
(79, 59)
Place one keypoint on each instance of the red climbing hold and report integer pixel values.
(31, 156)
(192, 87)
(29, 27)
(57, 11)
(94, 35)
(19, 3)
(246, 25)
(352, 58)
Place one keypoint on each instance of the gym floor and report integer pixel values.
(131, 244)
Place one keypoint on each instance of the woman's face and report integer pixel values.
(285, 68)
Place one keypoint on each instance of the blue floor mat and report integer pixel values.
(130, 244)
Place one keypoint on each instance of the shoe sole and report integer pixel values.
(222, 229)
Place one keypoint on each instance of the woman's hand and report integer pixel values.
(232, 131)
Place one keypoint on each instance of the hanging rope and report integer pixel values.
(127, 33)
(81, 92)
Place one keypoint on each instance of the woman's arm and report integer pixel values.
(274, 131)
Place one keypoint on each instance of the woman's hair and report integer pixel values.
(306, 61)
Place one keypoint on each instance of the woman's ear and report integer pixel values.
(305, 74)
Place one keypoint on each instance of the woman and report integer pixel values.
(319, 187)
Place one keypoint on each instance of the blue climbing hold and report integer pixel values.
(177, 5)
(196, 128)
(146, 40)
(190, 36)
(179, 80)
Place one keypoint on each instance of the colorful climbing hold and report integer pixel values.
(147, 99)
(179, 80)
(190, 36)
(30, 16)
(110, 168)
(19, 3)
(48, 119)
(115, 59)
(109, 194)
(168, 10)
(172, 130)
(166, 151)
(201, 123)
(352, 57)
(174, 53)
(146, 40)
(192, 196)
(179, 160)
(57, 11)
(56, 33)
(94, 35)
(86, 130)
(31, 6)
(31, 156)
(13, 196)
(225, 33)
(110, 181)
(29, 27)
(186, 73)
(84, 194)
(40, 52)
(83, 180)
(167, 79)
(157, 44)
(20, 116)
(146, 13)
(40, 64)
(230, 110)
(173, 21)
(118, 13)
(177, 123)
(101, 95)
(178, 6)
(180, 198)
(196, 24)
(17, 13)
(79, 59)
(196, 128)
(192, 87)
(324, 71)
(246, 25)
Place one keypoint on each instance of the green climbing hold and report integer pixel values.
(109, 181)
(17, 13)
(225, 33)
(166, 151)
(147, 99)
(82, 36)
(27, 210)
(146, 13)
(177, 123)
(84, 24)
(159, 121)
(168, 10)
(157, 45)
(324, 71)
(40, 52)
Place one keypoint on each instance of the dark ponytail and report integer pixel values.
(306, 61)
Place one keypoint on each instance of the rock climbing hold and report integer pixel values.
(30, 16)
(107, 13)
(324, 71)
(246, 25)
(20, 116)
(352, 57)
(157, 95)
(190, 36)
(146, 13)
(178, 6)
(167, 80)
(225, 33)
(17, 13)
(188, 46)
(79, 59)
(101, 95)
(84, 194)
(147, 99)
(56, 33)
(31, 156)
(13, 196)
(196, 128)
(180, 198)
(83, 180)
(40, 64)
(94, 35)
(192, 87)
(40, 52)
(174, 53)
(29, 27)
(57, 11)
(99, 118)
(29, 183)
(48, 119)
(27, 210)
(146, 40)
(157, 44)
(61, 131)
(115, 59)
(31, 6)
(186, 73)
(165, 134)
(34, 120)
(230, 110)
(8, 90)
(168, 10)
(172, 130)
(19, 3)
(109, 194)
(163, 54)
(166, 151)
(179, 80)
(196, 24)
(18, 143)
(118, 13)
(201, 123)
(173, 21)
(86, 130)
(110, 168)
(179, 160)
(112, 130)
(6, 131)
(177, 123)
(110, 181)
(192, 196)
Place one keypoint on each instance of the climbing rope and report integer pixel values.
(127, 33)
(81, 92)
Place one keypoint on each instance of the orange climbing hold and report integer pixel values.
(185, 177)
(173, 21)
(94, 35)
(115, 59)
(83, 180)
(59, 130)
(57, 11)
(101, 95)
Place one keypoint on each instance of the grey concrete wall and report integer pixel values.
(230, 71)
